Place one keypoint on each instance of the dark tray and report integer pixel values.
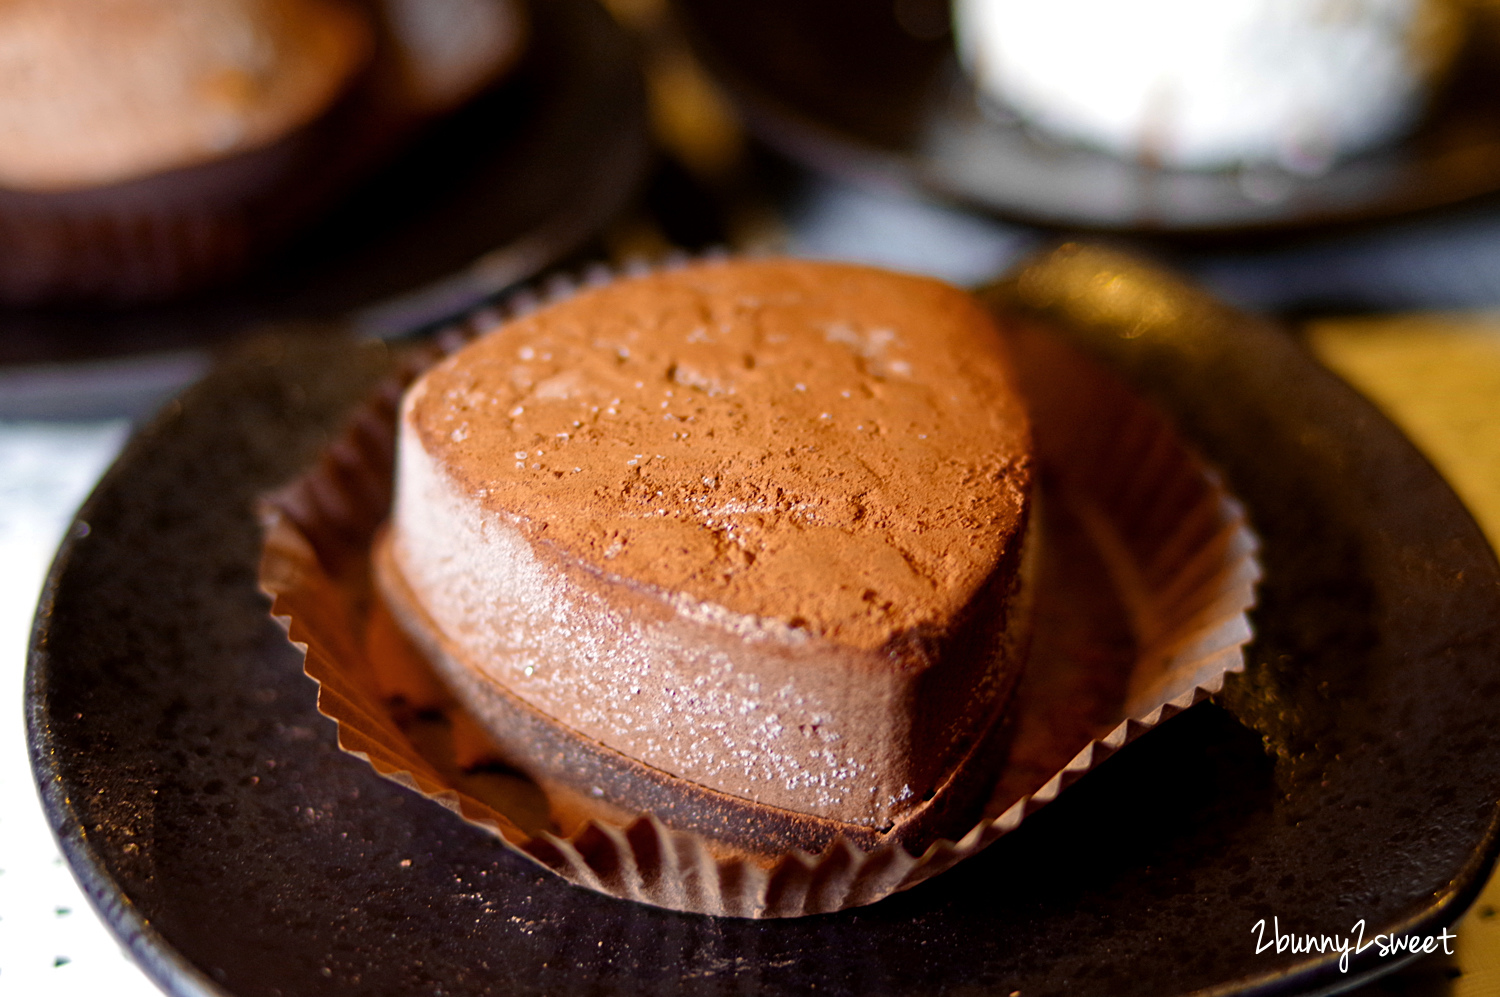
(873, 92)
(1353, 772)
(511, 184)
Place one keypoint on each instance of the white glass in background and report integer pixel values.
(51, 942)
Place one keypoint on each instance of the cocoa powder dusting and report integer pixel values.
(832, 447)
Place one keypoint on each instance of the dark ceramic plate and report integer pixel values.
(872, 91)
(491, 196)
(1352, 773)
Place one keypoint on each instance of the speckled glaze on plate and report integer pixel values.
(872, 92)
(1353, 772)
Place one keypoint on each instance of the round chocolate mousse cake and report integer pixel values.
(149, 146)
(153, 148)
(741, 544)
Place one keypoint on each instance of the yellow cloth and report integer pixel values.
(1438, 378)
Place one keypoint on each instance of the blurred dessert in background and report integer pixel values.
(153, 147)
(143, 141)
(104, 91)
(1194, 85)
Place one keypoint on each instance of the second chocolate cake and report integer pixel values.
(741, 545)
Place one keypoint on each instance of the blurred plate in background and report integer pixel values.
(872, 91)
(515, 181)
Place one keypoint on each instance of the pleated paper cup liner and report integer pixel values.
(1146, 572)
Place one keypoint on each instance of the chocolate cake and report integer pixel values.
(146, 144)
(151, 148)
(741, 544)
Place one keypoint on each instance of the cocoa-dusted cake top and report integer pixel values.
(833, 447)
(104, 91)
